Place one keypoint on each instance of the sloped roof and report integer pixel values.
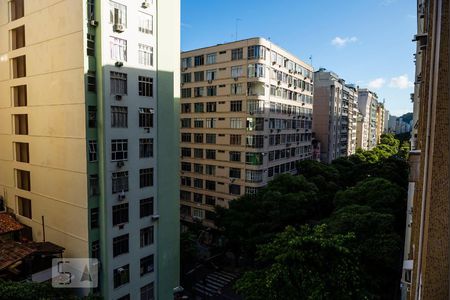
(9, 224)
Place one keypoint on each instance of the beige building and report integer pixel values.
(335, 113)
(380, 121)
(246, 116)
(85, 88)
(367, 104)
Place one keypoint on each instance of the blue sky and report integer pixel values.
(366, 42)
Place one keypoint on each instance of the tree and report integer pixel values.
(308, 263)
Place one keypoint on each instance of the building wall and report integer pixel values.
(259, 170)
(429, 248)
(56, 121)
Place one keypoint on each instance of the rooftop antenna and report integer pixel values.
(237, 20)
(310, 60)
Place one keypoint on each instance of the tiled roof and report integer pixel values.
(11, 252)
(9, 224)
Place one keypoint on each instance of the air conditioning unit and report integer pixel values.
(210, 81)
(118, 28)
(155, 217)
(121, 196)
(93, 23)
(183, 69)
(145, 4)
(118, 97)
(279, 82)
(120, 164)
(119, 64)
(236, 78)
(120, 270)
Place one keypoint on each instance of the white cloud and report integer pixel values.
(376, 83)
(401, 82)
(342, 42)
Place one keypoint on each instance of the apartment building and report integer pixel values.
(89, 95)
(426, 269)
(246, 116)
(335, 113)
(380, 121)
(350, 96)
(367, 104)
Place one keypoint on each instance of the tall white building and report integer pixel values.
(89, 95)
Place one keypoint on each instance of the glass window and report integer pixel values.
(211, 58)
(121, 275)
(145, 55)
(118, 48)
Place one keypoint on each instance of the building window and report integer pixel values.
(254, 159)
(211, 58)
(198, 123)
(145, 148)
(117, 13)
(92, 151)
(186, 62)
(91, 9)
(256, 52)
(186, 123)
(119, 116)
(235, 139)
(198, 107)
(93, 185)
(236, 89)
(186, 93)
(211, 74)
(186, 77)
(210, 200)
(256, 70)
(234, 189)
(20, 95)
(198, 213)
(211, 106)
(121, 275)
(199, 91)
(148, 291)
(19, 66)
(120, 214)
(92, 116)
(145, 55)
(211, 123)
(186, 167)
(210, 138)
(94, 217)
(91, 81)
(147, 264)
(198, 153)
(146, 236)
(198, 168)
(18, 38)
(145, 177)
(119, 150)
(211, 91)
(198, 183)
(185, 108)
(145, 86)
(146, 207)
(236, 105)
(120, 245)
(118, 48)
(198, 198)
(237, 71)
(199, 60)
(145, 117)
(119, 182)
(236, 54)
(90, 50)
(236, 123)
(235, 156)
(118, 82)
(255, 141)
(145, 23)
(185, 195)
(24, 207)
(22, 152)
(16, 9)
(210, 154)
(235, 173)
(198, 138)
(199, 76)
(253, 175)
(210, 185)
(186, 137)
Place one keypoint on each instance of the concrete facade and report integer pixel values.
(82, 87)
(335, 115)
(246, 116)
(367, 104)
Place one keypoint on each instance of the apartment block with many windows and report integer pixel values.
(246, 116)
(86, 87)
(367, 104)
